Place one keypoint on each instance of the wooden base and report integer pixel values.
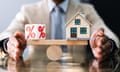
(57, 42)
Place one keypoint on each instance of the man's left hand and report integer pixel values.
(100, 44)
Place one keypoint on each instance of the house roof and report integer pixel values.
(82, 15)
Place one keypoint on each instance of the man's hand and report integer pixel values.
(16, 45)
(100, 44)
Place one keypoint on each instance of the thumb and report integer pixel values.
(19, 34)
(100, 32)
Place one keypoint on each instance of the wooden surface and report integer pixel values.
(57, 42)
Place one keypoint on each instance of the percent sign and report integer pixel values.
(30, 29)
(41, 30)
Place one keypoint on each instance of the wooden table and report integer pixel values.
(54, 52)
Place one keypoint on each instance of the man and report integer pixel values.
(41, 13)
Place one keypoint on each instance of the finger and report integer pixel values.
(22, 43)
(101, 40)
(98, 41)
(14, 52)
(21, 38)
(100, 32)
(94, 35)
(17, 54)
(19, 35)
(106, 50)
(107, 46)
(11, 50)
(14, 42)
(105, 39)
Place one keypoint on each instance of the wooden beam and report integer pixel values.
(57, 42)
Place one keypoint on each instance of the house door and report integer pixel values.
(73, 32)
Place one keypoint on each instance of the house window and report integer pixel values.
(83, 30)
(73, 32)
(77, 21)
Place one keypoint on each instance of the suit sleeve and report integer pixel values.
(3, 45)
(97, 22)
(3, 54)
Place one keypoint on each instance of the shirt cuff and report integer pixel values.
(3, 44)
(113, 45)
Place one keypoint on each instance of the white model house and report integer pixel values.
(78, 28)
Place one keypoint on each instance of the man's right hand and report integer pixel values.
(16, 45)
